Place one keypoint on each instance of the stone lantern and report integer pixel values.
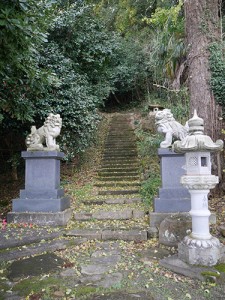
(200, 247)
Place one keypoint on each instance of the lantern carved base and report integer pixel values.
(207, 252)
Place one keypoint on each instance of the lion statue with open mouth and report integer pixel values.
(167, 125)
(45, 135)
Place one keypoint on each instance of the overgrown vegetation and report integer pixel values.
(71, 57)
(217, 67)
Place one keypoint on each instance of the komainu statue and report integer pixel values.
(45, 135)
(167, 125)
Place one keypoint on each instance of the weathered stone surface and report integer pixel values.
(10, 238)
(87, 233)
(110, 280)
(115, 201)
(35, 249)
(68, 273)
(146, 295)
(113, 215)
(133, 200)
(126, 235)
(153, 254)
(94, 269)
(59, 218)
(91, 278)
(119, 192)
(106, 260)
(82, 216)
(176, 265)
(173, 229)
(152, 232)
(137, 214)
(105, 252)
(34, 266)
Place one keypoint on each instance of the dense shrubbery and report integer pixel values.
(70, 68)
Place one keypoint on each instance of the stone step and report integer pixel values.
(137, 235)
(119, 178)
(125, 214)
(121, 164)
(117, 184)
(115, 161)
(121, 159)
(121, 150)
(110, 174)
(121, 200)
(119, 192)
(119, 155)
(119, 169)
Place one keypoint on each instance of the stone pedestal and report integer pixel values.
(206, 252)
(42, 196)
(173, 197)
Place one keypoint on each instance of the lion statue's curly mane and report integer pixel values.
(45, 135)
(167, 125)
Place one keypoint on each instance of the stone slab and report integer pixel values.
(94, 269)
(126, 235)
(82, 216)
(87, 233)
(38, 248)
(145, 295)
(118, 192)
(137, 214)
(40, 205)
(176, 265)
(34, 266)
(41, 218)
(113, 215)
(110, 280)
(16, 237)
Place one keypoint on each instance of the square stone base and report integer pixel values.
(60, 218)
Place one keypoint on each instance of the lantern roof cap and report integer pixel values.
(196, 140)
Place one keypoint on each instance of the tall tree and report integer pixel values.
(202, 28)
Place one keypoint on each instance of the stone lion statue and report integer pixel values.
(167, 125)
(45, 135)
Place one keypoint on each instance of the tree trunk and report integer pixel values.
(202, 28)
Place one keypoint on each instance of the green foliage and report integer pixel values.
(147, 151)
(217, 68)
(166, 50)
(23, 25)
(124, 16)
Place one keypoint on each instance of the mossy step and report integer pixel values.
(119, 169)
(124, 214)
(118, 178)
(119, 155)
(120, 150)
(121, 140)
(136, 235)
(119, 192)
(117, 184)
(120, 164)
(118, 173)
(115, 162)
(107, 200)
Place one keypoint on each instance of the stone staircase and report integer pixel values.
(117, 211)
